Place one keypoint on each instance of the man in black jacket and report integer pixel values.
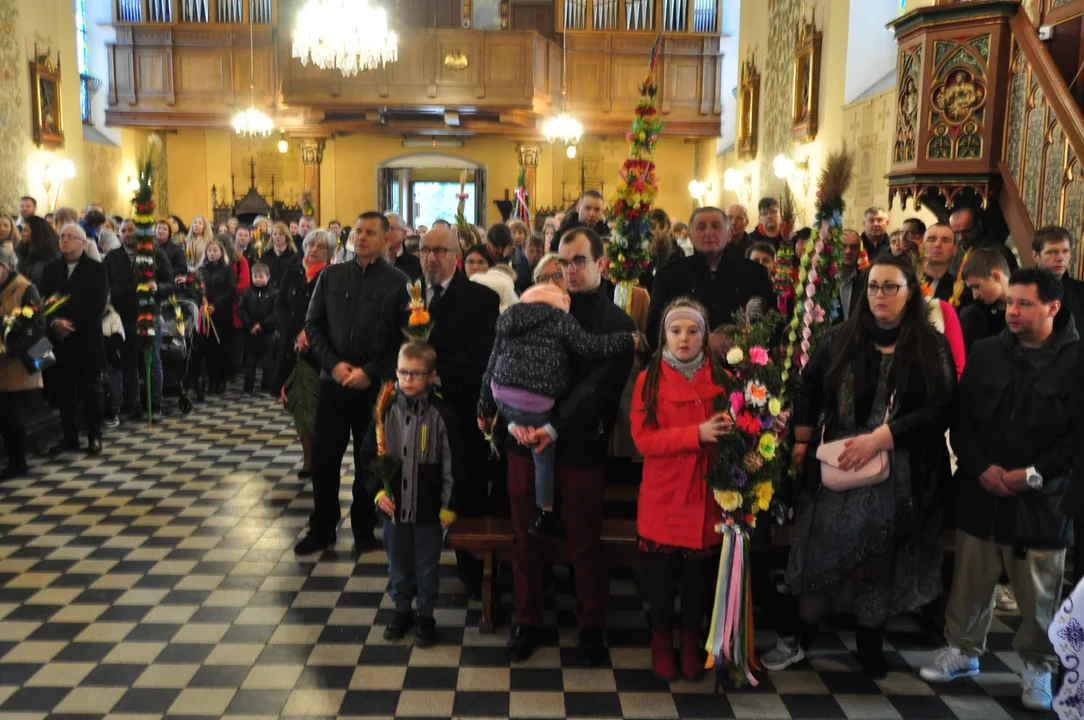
(174, 251)
(740, 241)
(966, 223)
(1014, 441)
(939, 247)
(722, 286)
(342, 328)
(395, 254)
(875, 232)
(256, 311)
(1052, 248)
(986, 275)
(588, 214)
(122, 291)
(77, 334)
(464, 316)
(583, 422)
(770, 230)
(852, 281)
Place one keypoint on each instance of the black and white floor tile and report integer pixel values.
(158, 581)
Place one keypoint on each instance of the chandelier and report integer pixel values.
(344, 35)
(252, 122)
(564, 127)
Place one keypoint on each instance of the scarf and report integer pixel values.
(313, 270)
(867, 367)
(687, 368)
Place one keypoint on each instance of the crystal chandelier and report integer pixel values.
(344, 35)
(564, 127)
(252, 122)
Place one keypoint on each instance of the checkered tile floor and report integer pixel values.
(157, 580)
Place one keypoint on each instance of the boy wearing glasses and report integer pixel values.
(417, 429)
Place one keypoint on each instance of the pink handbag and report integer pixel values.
(837, 480)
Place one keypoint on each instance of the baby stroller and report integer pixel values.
(177, 347)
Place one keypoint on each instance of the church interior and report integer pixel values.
(157, 580)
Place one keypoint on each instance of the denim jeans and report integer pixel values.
(545, 462)
(414, 564)
(126, 376)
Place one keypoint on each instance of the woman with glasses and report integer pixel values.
(883, 380)
(547, 272)
(477, 260)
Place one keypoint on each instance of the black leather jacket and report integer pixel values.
(344, 315)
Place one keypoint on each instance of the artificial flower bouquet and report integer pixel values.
(24, 333)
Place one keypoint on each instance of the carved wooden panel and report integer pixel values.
(626, 76)
(414, 66)
(505, 63)
(205, 73)
(681, 85)
(587, 74)
(152, 71)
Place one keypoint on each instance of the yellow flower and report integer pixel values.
(728, 500)
(28, 312)
(766, 446)
(735, 356)
(764, 492)
(418, 317)
(775, 407)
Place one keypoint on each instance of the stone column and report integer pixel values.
(312, 154)
(528, 162)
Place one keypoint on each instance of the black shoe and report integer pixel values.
(64, 446)
(94, 447)
(14, 471)
(201, 390)
(871, 654)
(313, 543)
(546, 524)
(304, 474)
(157, 415)
(522, 643)
(397, 628)
(592, 649)
(366, 543)
(426, 634)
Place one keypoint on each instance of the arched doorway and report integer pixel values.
(422, 187)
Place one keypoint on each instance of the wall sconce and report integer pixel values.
(783, 166)
(801, 175)
(698, 190)
(133, 184)
(54, 175)
(284, 145)
(738, 183)
(570, 151)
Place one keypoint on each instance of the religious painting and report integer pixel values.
(47, 118)
(748, 108)
(806, 86)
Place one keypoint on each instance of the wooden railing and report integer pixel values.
(671, 16)
(169, 12)
(1041, 161)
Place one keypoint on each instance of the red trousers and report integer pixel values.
(580, 491)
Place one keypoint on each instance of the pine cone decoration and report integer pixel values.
(753, 462)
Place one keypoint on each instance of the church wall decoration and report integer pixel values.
(805, 101)
(907, 102)
(957, 99)
(45, 100)
(748, 107)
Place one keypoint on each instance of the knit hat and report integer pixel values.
(7, 258)
(548, 295)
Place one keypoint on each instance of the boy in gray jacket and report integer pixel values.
(411, 466)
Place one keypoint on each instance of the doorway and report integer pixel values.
(424, 187)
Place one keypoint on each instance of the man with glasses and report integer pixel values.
(770, 230)
(395, 254)
(583, 421)
(77, 335)
(723, 286)
(342, 329)
(966, 225)
(464, 316)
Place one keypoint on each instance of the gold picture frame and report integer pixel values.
(46, 106)
(748, 119)
(805, 103)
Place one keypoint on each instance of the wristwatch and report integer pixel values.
(1035, 480)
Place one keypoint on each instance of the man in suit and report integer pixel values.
(464, 316)
(77, 334)
(723, 286)
(395, 254)
(1052, 248)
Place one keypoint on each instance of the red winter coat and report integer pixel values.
(675, 506)
(244, 279)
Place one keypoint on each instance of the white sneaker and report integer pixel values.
(783, 655)
(949, 663)
(1035, 692)
(1004, 599)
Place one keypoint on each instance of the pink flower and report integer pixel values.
(737, 401)
(758, 355)
(818, 314)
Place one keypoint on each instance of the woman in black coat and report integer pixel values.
(291, 305)
(282, 255)
(215, 347)
(40, 246)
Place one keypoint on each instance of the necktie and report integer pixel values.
(438, 290)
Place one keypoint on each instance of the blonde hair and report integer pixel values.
(285, 230)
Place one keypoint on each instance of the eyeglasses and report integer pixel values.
(69, 236)
(579, 262)
(474, 262)
(440, 253)
(411, 374)
(889, 289)
(554, 277)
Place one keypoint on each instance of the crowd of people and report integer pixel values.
(521, 379)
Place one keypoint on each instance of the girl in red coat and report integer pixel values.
(675, 430)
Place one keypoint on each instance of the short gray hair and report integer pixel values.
(78, 231)
(543, 262)
(319, 235)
